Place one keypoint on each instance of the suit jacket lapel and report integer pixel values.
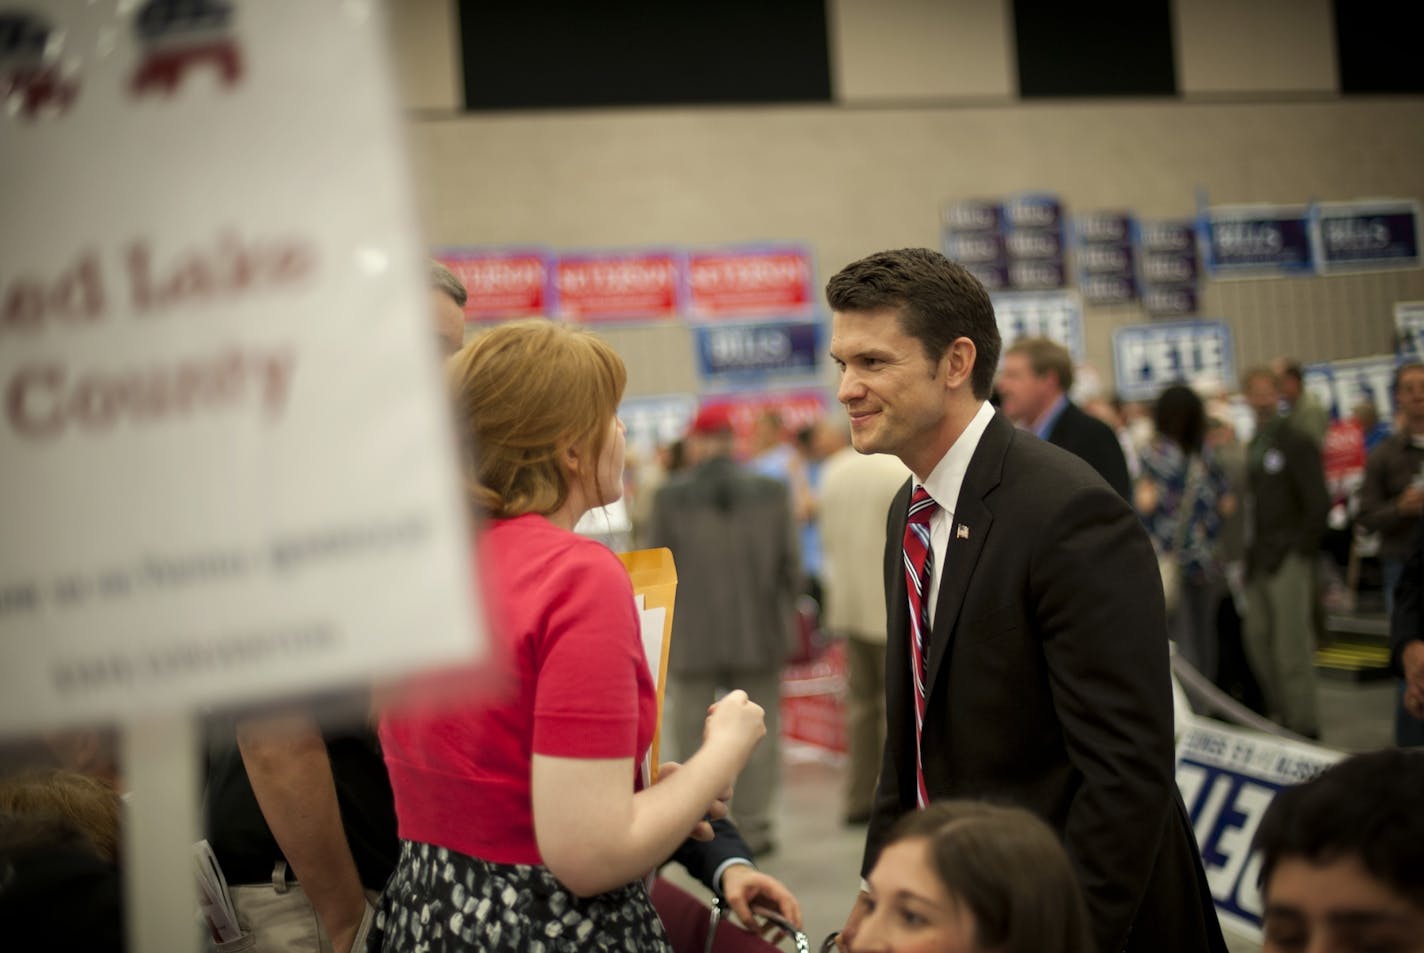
(967, 534)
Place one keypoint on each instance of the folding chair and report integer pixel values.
(694, 927)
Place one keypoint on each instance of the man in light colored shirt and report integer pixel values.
(1041, 673)
(856, 491)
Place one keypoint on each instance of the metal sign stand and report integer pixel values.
(160, 759)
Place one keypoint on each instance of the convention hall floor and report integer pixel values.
(819, 857)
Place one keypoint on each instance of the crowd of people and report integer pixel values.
(1005, 566)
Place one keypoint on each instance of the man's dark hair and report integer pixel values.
(937, 301)
(1291, 368)
(1367, 806)
(1401, 369)
(1180, 416)
(443, 279)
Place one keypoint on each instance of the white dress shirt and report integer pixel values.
(943, 486)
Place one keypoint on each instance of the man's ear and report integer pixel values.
(957, 364)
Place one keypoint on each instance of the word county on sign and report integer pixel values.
(46, 395)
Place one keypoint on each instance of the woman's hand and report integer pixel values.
(736, 723)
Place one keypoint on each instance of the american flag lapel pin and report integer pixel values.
(962, 532)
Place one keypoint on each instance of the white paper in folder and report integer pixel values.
(214, 901)
(651, 621)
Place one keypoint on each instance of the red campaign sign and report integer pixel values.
(813, 701)
(501, 285)
(618, 287)
(767, 281)
(797, 409)
(1343, 455)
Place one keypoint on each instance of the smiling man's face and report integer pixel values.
(894, 394)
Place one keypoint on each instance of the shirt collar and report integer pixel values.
(947, 477)
(1044, 425)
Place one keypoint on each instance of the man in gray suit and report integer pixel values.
(734, 541)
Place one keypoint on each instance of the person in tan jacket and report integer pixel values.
(856, 492)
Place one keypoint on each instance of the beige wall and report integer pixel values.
(850, 180)
(909, 50)
(1231, 48)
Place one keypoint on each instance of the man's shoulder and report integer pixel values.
(1291, 437)
(1391, 446)
(1046, 472)
(1077, 423)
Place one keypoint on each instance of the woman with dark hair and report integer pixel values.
(524, 824)
(1182, 496)
(969, 877)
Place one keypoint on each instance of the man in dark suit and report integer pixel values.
(1040, 673)
(1406, 644)
(1033, 389)
(1288, 506)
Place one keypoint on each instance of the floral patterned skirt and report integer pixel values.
(440, 901)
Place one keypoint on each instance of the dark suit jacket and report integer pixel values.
(1406, 623)
(1048, 687)
(1289, 500)
(1084, 435)
(702, 858)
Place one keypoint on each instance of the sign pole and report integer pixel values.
(160, 761)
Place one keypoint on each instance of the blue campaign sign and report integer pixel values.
(1366, 236)
(1056, 315)
(1106, 257)
(1409, 329)
(1170, 300)
(1149, 357)
(1257, 240)
(652, 421)
(1341, 386)
(756, 351)
(1227, 779)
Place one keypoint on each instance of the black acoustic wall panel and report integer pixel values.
(637, 52)
(1105, 48)
(1377, 50)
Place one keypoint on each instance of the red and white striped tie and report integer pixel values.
(919, 567)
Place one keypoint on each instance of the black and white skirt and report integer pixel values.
(440, 901)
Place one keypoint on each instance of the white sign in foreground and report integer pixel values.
(227, 470)
(1228, 778)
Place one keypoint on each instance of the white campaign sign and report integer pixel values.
(1149, 357)
(1228, 777)
(227, 470)
(1409, 328)
(1056, 315)
(1341, 386)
